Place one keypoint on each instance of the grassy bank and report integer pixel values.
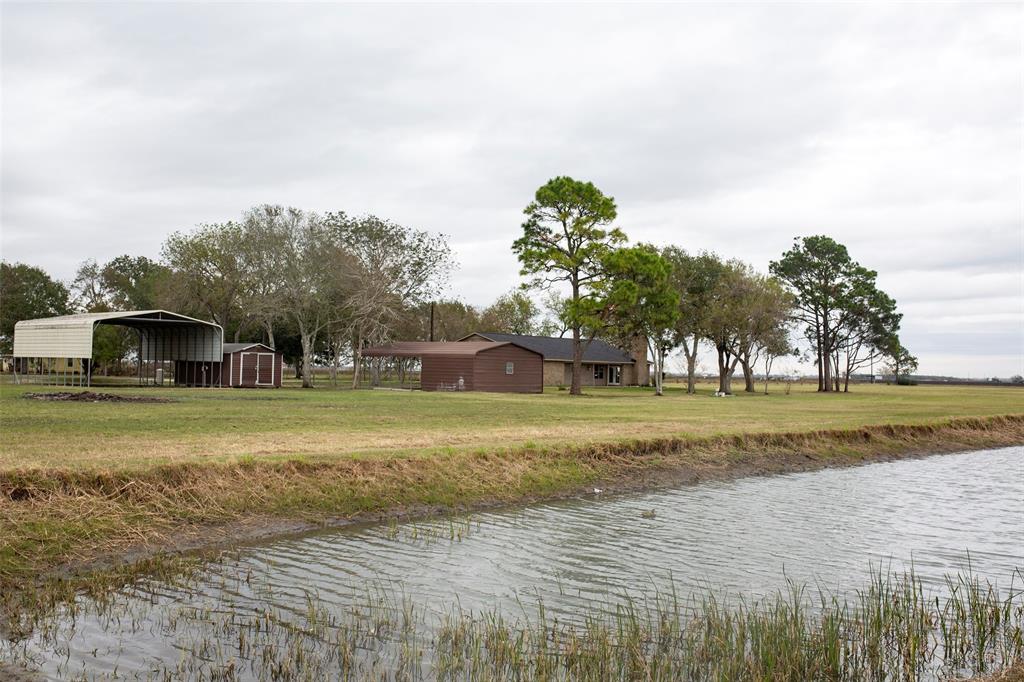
(80, 481)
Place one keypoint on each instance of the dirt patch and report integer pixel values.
(93, 397)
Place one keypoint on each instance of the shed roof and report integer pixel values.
(70, 336)
(235, 347)
(419, 349)
(554, 348)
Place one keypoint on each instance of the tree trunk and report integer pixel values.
(658, 353)
(748, 376)
(691, 372)
(817, 350)
(307, 359)
(836, 374)
(357, 359)
(575, 387)
(724, 373)
(691, 365)
(270, 333)
(826, 353)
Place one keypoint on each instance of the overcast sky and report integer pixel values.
(895, 129)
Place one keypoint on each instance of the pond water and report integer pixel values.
(746, 537)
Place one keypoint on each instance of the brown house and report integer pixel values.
(472, 366)
(603, 363)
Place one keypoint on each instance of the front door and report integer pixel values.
(614, 375)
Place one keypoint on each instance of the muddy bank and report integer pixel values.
(322, 495)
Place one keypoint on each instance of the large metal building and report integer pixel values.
(470, 365)
(170, 346)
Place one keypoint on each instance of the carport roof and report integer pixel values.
(70, 336)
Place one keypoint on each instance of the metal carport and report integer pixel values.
(60, 349)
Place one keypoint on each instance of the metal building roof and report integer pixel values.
(419, 349)
(70, 336)
(560, 349)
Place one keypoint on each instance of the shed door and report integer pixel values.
(249, 372)
(265, 369)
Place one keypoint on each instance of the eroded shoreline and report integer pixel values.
(350, 492)
(696, 471)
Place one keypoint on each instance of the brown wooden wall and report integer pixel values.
(438, 370)
(528, 370)
(239, 369)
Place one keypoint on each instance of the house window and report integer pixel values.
(510, 368)
(599, 371)
(71, 362)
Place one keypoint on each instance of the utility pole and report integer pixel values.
(431, 320)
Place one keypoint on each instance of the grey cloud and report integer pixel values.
(895, 129)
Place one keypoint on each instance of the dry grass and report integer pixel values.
(55, 515)
(225, 425)
(82, 480)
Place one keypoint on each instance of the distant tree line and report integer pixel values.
(321, 288)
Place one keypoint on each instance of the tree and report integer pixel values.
(133, 282)
(392, 267)
(768, 313)
(553, 322)
(871, 327)
(566, 236)
(27, 293)
(694, 279)
(775, 346)
(728, 304)
(901, 362)
(312, 278)
(512, 313)
(640, 301)
(266, 228)
(826, 284)
(453, 320)
(210, 272)
(88, 290)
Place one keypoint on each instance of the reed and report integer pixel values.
(893, 628)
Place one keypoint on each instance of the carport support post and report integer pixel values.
(140, 356)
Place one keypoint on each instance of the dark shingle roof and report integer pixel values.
(420, 349)
(553, 348)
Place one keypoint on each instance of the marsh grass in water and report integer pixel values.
(449, 529)
(892, 629)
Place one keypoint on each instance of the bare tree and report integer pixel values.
(392, 267)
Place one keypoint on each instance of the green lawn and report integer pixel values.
(81, 481)
(228, 424)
